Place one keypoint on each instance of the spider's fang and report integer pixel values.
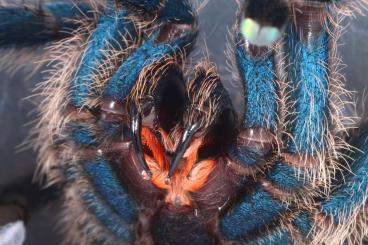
(188, 134)
(137, 141)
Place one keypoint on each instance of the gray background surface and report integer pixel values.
(215, 19)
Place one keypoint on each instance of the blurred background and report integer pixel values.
(215, 20)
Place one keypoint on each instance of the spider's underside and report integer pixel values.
(148, 148)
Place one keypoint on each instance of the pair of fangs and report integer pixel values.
(136, 125)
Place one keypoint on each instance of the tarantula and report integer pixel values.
(148, 148)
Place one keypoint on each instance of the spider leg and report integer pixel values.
(252, 213)
(353, 192)
(114, 32)
(119, 213)
(307, 102)
(148, 53)
(34, 25)
(257, 68)
(308, 49)
(93, 183)
(341, 216)
(344, 211)
(285, 203)
(310, 146)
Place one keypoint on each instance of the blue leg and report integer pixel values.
(114, 32)
(252, 213)
(308, 118)
(308, 76)
(353, 192)
(307, 105)
(106, 199)
(111, 189)
(345, 210)
(50, 21)
(341, 217)
(257, 71)
(148, 53)
(255, 211)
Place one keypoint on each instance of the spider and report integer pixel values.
(148, 148)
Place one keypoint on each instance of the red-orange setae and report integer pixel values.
(190, 177)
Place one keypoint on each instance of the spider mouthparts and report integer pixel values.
(136, 126)
(186, 139)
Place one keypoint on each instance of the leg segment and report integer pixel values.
(123, 81)
(114, 33)
(308, 49)
(94, 198)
